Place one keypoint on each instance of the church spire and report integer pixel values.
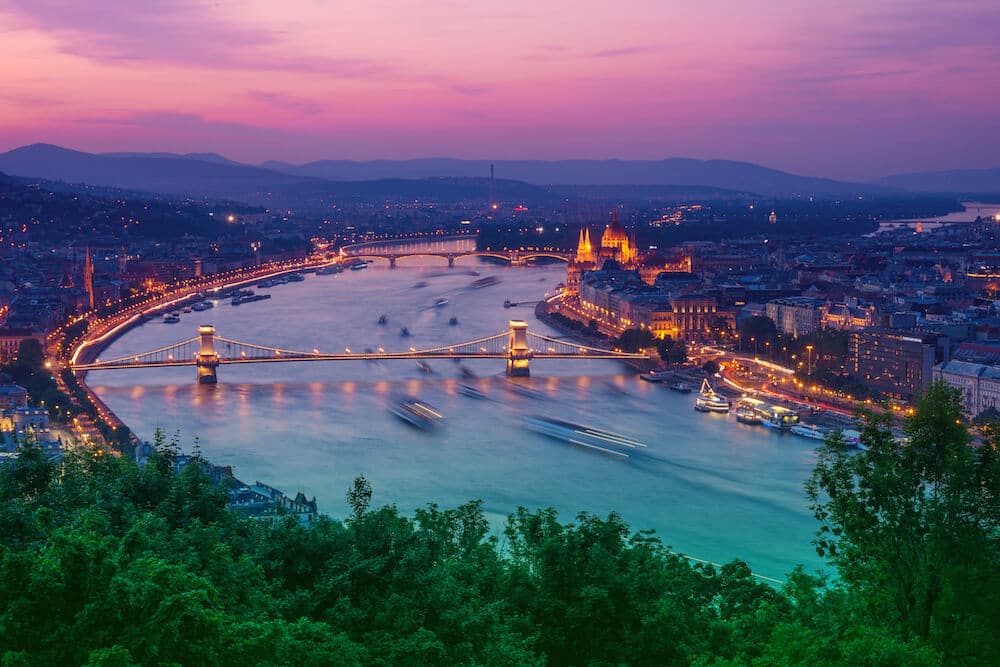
(88, 277)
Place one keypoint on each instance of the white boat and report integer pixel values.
(709, 401)
(202, 305)
(808, 431)
(440, 302)
(587, 437)
(172, 318)
(417, 413)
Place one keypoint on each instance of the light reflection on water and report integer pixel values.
(712, 488)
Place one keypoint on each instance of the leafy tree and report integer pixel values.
(633, 340)
(359, 496)
(913, 526)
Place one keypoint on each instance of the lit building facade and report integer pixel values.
(979, 384)
(797, 315)
(897, 364)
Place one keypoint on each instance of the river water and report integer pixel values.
(719, 490)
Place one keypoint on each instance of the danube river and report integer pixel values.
(719, 490)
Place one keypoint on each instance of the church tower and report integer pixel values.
(88, 277)
(584, 251)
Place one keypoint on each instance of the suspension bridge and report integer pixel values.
(207, 352)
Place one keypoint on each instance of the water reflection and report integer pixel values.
(709, 486)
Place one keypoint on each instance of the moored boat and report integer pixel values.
(680, 387)
(709, 401)
(657, 375)
(172, 318)
(202, 305)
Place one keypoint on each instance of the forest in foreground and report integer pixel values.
(103, 562)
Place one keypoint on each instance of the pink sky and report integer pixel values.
(852, 89)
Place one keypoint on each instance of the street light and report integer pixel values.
(809, 365)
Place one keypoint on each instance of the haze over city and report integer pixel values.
(849, 90)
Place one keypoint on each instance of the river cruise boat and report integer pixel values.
(709, 401)
(810, 431)
(470, 391)
(484, 282)
(172, 318)
(778, 418)
(329, 270)
(360, 264)
(586, 437)
(680, 387)
(295, 277)
(747, 411)
(202, 305)
(417, 414)
(657, 376)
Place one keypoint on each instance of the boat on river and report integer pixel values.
(360, 264)
(470, 391)
(439, 303)
(810, 431)
(416, 413)
(425, 367)
(382, 319)
(657, 375)
(329, 270)
(586, 437)
(484, 282)
(404, 332)
(202, 305)
(453, 321)
(172, 318)
(709, 401)
(746, 411)
(295, 277)
(680, 387)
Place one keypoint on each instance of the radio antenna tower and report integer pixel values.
(493, 200)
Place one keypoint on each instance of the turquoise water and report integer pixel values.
(719, 490)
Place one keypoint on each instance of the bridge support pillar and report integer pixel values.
(451, 261)
(392, 261)
(207, 360)
(518, 354)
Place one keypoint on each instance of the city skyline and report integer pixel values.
(846, 92)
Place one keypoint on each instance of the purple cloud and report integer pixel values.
(185, 32)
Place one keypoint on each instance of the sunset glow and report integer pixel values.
(832, 89)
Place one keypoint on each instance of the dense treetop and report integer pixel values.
(103, 562)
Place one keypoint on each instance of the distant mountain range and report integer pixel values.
(212, 175)
(722, 174)
(970, 181)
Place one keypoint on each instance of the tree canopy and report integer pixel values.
(104, 562)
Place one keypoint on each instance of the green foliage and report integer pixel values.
(913, 528)
(106, 563)
(671, 351)
(633, 340)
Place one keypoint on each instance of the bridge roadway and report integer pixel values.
(516, 345)
(515, 257)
